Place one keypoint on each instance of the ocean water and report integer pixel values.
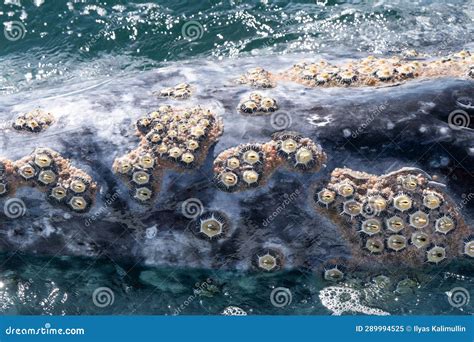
(52, 48)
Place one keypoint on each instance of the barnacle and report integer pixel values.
(187, 158)
(326, 197)
(250, 177)
(47, 177)
(347, 76)
(384, 74)
(323, 78)
(58, 193)
(143, 194)
(250, 155)
(395, 224)
(396, 242)
(268, 105)
(42, 160)
(268, 261)
(352, 208)
(371, 226)
(212, 224)
(140, 177)
(227, 180)
(406, 70)
(27, 171)
(78, 203)
(288, 146)
(146, 161)
(420, 239)
(409, 182)
(333, 274)
(345, 190)
(469, 248)
(444, 224)
(3, 188)
(377, 203)
(304, 158)
(374, 245)
(419, 219)
(436, 254)
(431, 201)
(78, 186)
(402, 202)
(249, 107)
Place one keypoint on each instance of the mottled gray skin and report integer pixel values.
(95, 125)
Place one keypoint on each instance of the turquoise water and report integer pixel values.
(54, 43)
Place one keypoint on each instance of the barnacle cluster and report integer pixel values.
(258, 104)
(369, 71)
(46, 170)
(35, 121)
(247, 166)
(170, 138)
(257, 78)
(178, 92)
(401, 217)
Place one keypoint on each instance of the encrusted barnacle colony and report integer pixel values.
(46, 170)
(178, 92)
(399, 218)
(257, 104)
(249, 165)
(257, 78)
(174, 138)
(35, 121)
(369, 71)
